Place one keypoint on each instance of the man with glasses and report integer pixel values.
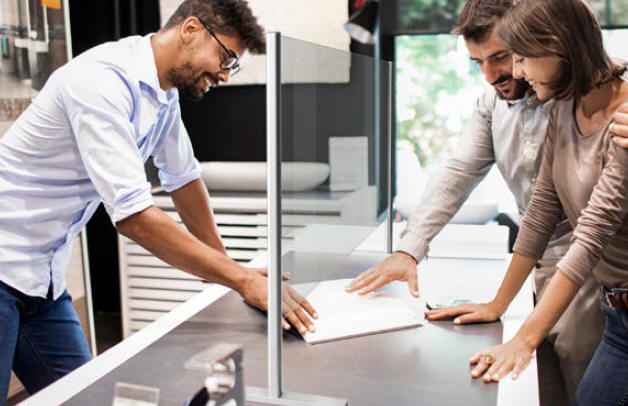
(83, 141)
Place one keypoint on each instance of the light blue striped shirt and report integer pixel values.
(82, 141)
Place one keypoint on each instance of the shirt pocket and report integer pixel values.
(145, 117)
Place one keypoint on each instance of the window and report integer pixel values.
(430, 16)
(436, 86)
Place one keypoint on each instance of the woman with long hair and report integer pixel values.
(557, 47)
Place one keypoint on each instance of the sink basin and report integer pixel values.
(251, 176)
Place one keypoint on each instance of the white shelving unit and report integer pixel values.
(151, 288)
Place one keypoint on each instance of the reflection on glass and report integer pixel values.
(329, 143)
(127, 394)
(337, 225)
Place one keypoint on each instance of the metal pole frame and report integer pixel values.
(378, 130)
(391, 151)
(275, 395)
(68, 29)
(273, 153)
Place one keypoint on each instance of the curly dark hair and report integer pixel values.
(226, 17)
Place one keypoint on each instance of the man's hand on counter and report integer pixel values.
(620, 126)
(295, 308)
(398, 266)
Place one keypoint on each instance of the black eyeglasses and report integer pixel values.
(231, 62)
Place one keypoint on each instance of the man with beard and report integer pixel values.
(507, 129)
(83, 141)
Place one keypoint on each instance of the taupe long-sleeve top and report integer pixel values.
(585, 177)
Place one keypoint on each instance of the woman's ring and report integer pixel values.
(487, 359)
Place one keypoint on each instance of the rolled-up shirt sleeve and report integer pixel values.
(100, 106)
(450, 186)
(601, 219)
(544, 211)
(174, 156)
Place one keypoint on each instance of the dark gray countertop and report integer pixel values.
(422, 366)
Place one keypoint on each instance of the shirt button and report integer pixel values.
(537, 265)
(533, 180)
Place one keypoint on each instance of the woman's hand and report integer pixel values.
(497, 362)
(467, 313)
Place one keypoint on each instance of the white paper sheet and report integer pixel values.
(343, 315)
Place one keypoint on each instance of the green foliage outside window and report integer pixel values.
(439, 16)
(437, 85)
(428, 15)
(611, 13)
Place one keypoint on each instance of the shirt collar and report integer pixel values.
(530, 100)
(147, 70)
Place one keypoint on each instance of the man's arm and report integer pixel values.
(542, 215)
(193, 205)
(620, 126)
(445, 193)
(164, 238)
(100, 105)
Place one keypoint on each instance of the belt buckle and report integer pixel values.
(610, 299)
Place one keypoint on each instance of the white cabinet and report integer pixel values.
(150, 288)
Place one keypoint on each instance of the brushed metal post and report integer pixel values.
(273, 158)
(275, 395)
(391, 151)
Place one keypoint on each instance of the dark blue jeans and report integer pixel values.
(605, 381)
(40, 339)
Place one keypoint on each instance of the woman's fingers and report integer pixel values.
(503, 370)
(484, 361)
(520, 364)
(492, 372)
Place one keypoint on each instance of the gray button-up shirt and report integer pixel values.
(510, 134)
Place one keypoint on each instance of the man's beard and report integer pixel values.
(186, 79)
(519, 89)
